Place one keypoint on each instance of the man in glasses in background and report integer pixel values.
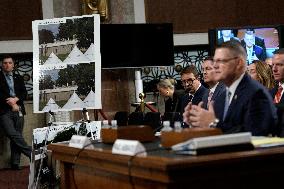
(193, 88)
(244, 106)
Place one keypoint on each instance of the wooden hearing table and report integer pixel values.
(99, 168)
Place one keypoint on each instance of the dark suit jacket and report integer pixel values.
(196, 99)
(219, 89)
(259, 51)
(20, 91)
(251, 109)
(259, 41)
(279, 131)
(173, 104)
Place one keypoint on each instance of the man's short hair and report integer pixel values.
(250, 30)
(235, 47)
(7, 56)
(279, 51)
(190, 69)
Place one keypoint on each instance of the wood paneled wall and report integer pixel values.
(198, 16)
(16, 18)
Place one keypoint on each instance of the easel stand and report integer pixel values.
(44, 150)
(85, 114)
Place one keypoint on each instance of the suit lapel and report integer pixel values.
(197, 97)
(273, 93)
(5, 87)
(238, 95)
(219, 105)
(282, 99)
(220, 87)
(184, 102)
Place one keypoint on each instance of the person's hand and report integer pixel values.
(12, 100)
(186, 113)
(15, 108)
(200, 117)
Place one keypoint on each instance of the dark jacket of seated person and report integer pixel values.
(251, 109)
(279, 131)
(173, 104)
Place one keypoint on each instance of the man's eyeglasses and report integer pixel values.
(187, 81)
(223, 61)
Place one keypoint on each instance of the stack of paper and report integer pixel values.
(211, 144)
(267, 141)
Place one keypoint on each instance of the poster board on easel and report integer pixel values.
(66, 63)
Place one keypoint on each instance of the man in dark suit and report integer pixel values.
(277, 91)
(278, 74)
(215, 87)
(227, 35)
(194, 89)
(245, 105)
(12, 110)
(254, 52)
(259, 41)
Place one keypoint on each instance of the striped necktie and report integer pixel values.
(210, 95)
(277, 96)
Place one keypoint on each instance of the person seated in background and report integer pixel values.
(166, 88)
(259, 41)
(215, 87)
(254, 52)
(277, 91)
(262, 73)
(278, 74)
(194, 90)
(245, 105)
(227, 35)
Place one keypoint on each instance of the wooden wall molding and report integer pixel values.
(189, 16)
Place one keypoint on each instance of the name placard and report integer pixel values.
(80, 142)
(128, 147)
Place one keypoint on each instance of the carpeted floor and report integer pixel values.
(12, 179)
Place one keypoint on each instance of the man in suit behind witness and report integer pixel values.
(259, 41)
(12, 95)
(227, 35)
(245, 105)
(254, 52)
(215, 87)
(277, 91)
(193, 88)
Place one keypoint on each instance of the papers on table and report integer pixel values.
(261, 142)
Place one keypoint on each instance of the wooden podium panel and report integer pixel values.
(98, 168)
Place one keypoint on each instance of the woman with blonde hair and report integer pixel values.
(261, 72)
(166, 88)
